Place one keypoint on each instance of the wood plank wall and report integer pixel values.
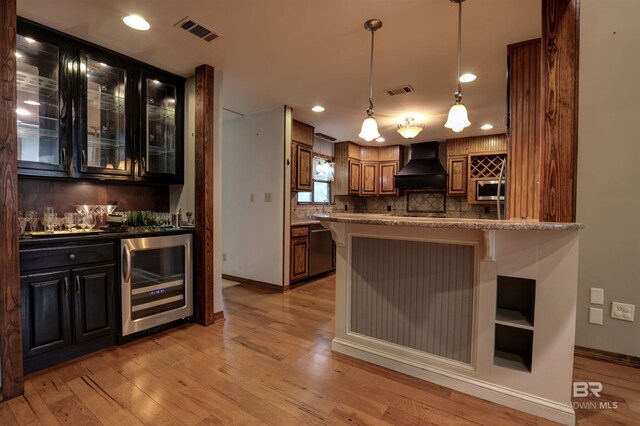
(524, 139)
(203, 247)
(559, 143)
(10, 314)
(425, 302)
(464, 146)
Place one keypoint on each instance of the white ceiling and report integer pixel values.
(305, 52)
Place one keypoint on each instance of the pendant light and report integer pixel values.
(369, 129)
(409, 129)
(458, 118)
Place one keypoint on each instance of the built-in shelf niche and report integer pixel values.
(514, 322)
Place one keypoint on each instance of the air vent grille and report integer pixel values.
(197, 29)
(400, 90)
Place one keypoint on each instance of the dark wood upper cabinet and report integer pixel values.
(161, 154)
(87, 112)
(44, 71)
(107, 111)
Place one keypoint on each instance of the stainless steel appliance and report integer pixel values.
(156, 276)
(320, 250)
(487, 190)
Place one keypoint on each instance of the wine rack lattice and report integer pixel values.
(486, 166)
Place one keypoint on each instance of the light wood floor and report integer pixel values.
(270, 362)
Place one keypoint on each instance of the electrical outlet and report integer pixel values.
(346, 207)
(596, 296)
(622, 311)
(224, 257)
(388, 208)
(487, 209)
(595, 316)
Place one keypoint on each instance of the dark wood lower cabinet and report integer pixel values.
(68, 308)
(94, 302)
(46, 313)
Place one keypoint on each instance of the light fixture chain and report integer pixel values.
(459, 39)
(373, 33)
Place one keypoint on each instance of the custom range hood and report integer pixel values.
(423, 171)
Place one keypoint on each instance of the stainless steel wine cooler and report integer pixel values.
(156, 276)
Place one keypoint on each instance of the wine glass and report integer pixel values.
(69, 220)
(32, 215)
(48, 221)
(89, 221)
(100, 211)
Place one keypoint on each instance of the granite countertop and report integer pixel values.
(431, 222)
(80, 237)
(301, 222)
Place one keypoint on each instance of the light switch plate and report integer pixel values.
(596, 296)
(267, 197)
(595, 316)
(622, 311)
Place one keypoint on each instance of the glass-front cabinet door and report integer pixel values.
(105, 126)
(42, 107)
(161, 150)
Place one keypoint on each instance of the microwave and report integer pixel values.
(487, 190)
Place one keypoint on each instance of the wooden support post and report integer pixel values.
(203, 250)
(559, 145)
(10, 314)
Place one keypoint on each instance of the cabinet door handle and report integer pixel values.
(77, 284)
(66, 286)
(144, 163)
(64, 157)
(84, 156)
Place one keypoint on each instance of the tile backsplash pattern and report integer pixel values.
(426, 202)
(455, 206)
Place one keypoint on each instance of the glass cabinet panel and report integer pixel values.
(160, 155)
(105, 128)
(38, 108)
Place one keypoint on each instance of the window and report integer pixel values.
(323, 174)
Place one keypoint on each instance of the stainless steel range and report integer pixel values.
(156, 276)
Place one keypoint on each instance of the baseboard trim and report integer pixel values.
(610, 357)
(218, 316)
(266, 286)
(531, 404)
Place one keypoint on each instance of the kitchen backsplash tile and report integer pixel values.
(455, 206)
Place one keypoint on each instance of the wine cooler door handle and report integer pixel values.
(126, 265)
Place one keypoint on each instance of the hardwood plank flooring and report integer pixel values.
(271, 363)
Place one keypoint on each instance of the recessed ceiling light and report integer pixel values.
(486, 126)
(380, 140)
(29, 39)
(467, 78)
(32, 103)
(136, 22)
(22, 111)
(18, 55)
(317, 108)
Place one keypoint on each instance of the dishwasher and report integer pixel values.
(320, 250)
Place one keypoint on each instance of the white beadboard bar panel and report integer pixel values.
(423, 301)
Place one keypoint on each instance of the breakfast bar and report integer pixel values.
(485, 307)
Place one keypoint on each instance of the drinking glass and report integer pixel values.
(69, 220)
(48, 221)
(89, 221)
(32, 215)
(22, 224)
(48, 211)
(100, 211)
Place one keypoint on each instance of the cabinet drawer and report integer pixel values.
(67, 256)
(299, 231)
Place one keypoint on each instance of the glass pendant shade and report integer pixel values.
(369, 129)
(458, 118)
(409, 129)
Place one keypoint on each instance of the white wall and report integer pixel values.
(608, 183)
(183, 196)
(253, 163)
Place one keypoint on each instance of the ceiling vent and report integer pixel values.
(197, 29)
(325, 137)
(400, 90)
